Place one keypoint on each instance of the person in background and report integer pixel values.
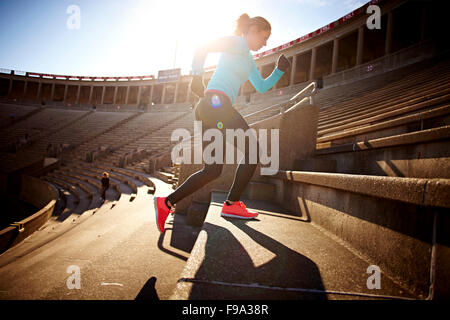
(105, 185)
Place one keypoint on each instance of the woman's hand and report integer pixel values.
(197, 86)
(283, 63)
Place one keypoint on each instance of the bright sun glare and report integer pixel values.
(154, 30)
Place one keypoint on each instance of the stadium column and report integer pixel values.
(10, 87)
(24, 89)
(188, 92)
(334, 61)
(360, 45)
(389, 31)
(138, 100)
(115, 95)
(65, 92)
(150, 99)
(176, 92)
(53, 92)
(126, 95)
(38, 95)
(313, 63)
(294, 67)
(90, 94)
(103, 94)
(163, 97)
(78, 94)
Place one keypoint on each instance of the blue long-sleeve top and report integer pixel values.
(236, 65)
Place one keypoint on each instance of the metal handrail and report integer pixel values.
(285, 106)
(313, 92)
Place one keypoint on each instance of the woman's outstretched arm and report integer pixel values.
(231, 44)
(260, 84)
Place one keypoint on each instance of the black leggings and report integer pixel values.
(215, 111)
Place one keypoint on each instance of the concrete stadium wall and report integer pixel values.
(395, 236)
(41, 195)
(398, 224)
(11, 181)
(404, 57)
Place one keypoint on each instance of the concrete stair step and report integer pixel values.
(168, 170)
(278, 255)
(164, 176)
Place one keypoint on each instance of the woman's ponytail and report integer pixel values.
(242, 24)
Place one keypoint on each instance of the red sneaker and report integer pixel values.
(161, 211)
(237, 210)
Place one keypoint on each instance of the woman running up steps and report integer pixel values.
(215, 109)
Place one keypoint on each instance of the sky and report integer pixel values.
(141, 37)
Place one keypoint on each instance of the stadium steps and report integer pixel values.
(133, 184)
(130, 177)
(104, 125)
(409, 80)
(126, 185)
(279, 255)
(175, 170)
(81, 185)
(336, 207)
(383, 105)
(39, 126)
(104, 138)
(117, 244)
(419, 154)
(357, 108)
(141, 166)
(18, 110)
(418, 85)
(40, 142)
(117, 183)
(128, 144)
(82, 197)
(97, 175)
(165, 176)
(155, 145)
(425, 107)
(21, 117)
(85, 191)
(401, 130)
(330, 97)
(88, 182)
(434, 117)
(79, 131)
(68, 199)
(90, 185)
